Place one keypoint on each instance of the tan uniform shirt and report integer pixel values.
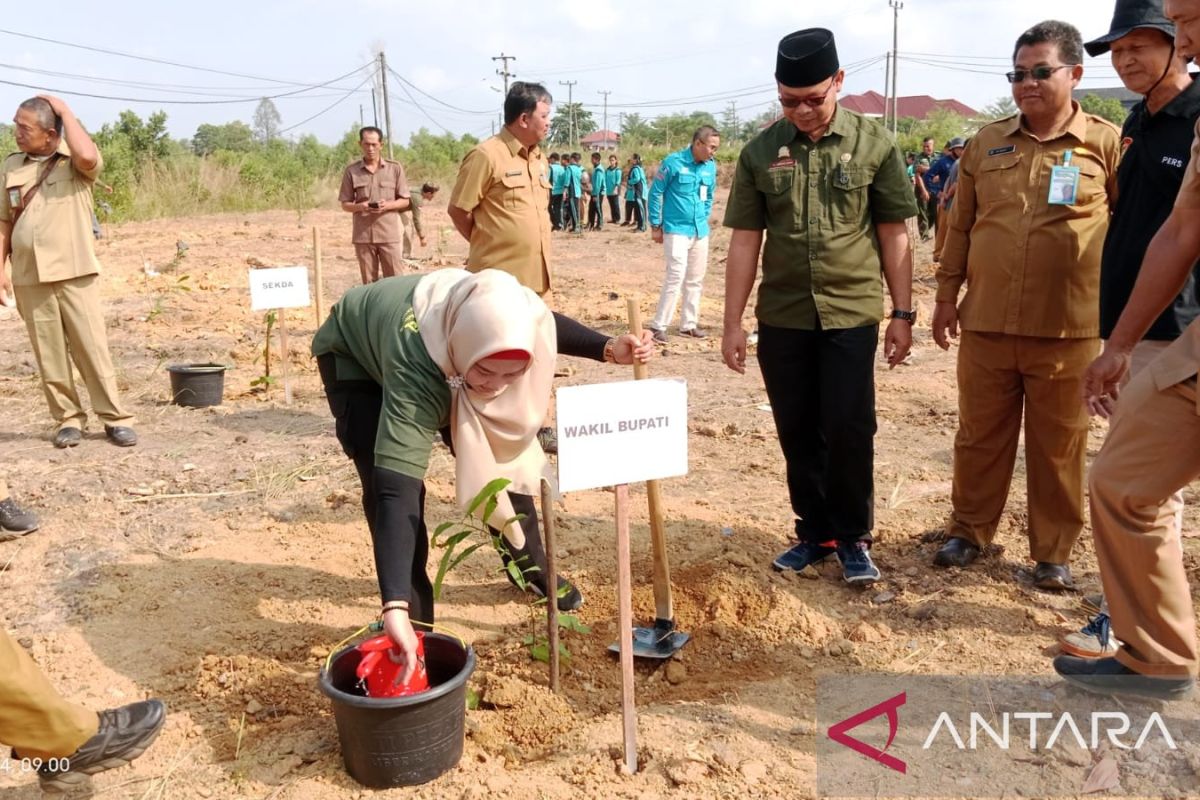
(1031, 268)
(505, 187)
(1182, 359)
(360, 185)
(52, 240)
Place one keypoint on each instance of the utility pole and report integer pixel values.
(503, 72)
(387, 108)
(361, 121)
(570, 105)
(374, 108)
(887, 88)
(606, 93)
(737, 127)
(896, 6)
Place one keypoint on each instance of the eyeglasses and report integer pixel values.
(1038, 73)
(811, 102)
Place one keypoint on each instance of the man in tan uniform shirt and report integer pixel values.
(1152, 450)
(500, 203)
(374, 190)
(1030, 257)
(46, 227)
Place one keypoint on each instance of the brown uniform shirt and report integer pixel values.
(1182, 360)
(1031, 268)
(505, 187)
(52, 240)
(360, 185)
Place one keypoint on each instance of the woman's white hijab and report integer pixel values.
(464, 317)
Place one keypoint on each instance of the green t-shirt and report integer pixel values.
(819, 203)
(373, 334)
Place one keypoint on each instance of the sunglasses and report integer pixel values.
(1038, 73)
(811, 102)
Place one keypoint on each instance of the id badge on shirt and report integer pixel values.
(703, 192)
(14, 197)
(1064, 183)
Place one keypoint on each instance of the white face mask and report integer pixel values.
(37, 158)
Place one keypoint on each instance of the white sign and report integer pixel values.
(279, 287)
(626, 432)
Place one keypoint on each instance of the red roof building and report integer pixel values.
(917, 106)
(601, 140)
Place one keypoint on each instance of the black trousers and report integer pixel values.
(639, 213)
(821, 385)
(596, 212)
(570, 211)
(556, 210)
(629, 206)
(614, 208)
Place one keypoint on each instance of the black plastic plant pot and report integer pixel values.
(402, 741)
(197, 385)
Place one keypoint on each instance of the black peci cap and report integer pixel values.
(806, 58)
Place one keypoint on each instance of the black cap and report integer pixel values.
(806, 58)
(1131, 14)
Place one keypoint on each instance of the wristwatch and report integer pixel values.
(908, 316)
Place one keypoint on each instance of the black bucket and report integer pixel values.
(197, 385)
(402, 741)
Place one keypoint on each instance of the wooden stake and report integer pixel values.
(283, 357)
(319, 277)
(625, 630)
(551, 581)
(664, 607)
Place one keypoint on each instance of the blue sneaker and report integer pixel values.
(801, 556)
(857, 566)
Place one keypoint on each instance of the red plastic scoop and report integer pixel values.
(382, 667)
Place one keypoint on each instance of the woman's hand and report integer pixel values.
(629, 348)
(400, 630)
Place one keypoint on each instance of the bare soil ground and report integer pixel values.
(216, 564)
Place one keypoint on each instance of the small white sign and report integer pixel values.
(279, 287)
(625, 432)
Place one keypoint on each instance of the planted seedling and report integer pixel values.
(266, 380)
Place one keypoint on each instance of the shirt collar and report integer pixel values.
(1076, 125)
(1186, 104)
(840, 125)
(514, 145)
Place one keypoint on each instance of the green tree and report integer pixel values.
(675, 130)
(753, 127)
(941, 124)
(635, 130)
(1003, 107)
(429, 155)
(1108, 107)
(560, 125)
(235, 136)
(266, 121)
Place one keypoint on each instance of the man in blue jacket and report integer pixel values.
(681, 200)
(596, 207)
(572, 191)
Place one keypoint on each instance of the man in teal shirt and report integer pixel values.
(596, 207)
(557, 182)
(612, 185)
(572, 191)
(681, 200)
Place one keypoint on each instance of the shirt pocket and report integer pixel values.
(57, 186)
(362, 188)
(998, 179)
(1091, 183)
(516, 187)
(775, 185)
(848, 199)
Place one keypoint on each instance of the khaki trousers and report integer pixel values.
(1152, 450)
(999, 376)
(939, 238)
(65, 324)
(379, 260)
(33, 717)
(410, 233)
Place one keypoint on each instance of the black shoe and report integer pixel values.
(15, 521)
(659, 336)
(68, 437)
(120, 435)
(1052, 576)
(124, 734)
(956, 552)
(1109, 676)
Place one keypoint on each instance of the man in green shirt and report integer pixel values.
(829, 188)
(411, 219)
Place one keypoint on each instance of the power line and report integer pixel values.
(437, 100)
(162, 101)
(330, 107)
(147, 58)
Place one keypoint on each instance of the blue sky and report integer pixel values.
(654, 57)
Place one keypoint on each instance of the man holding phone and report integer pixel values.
(375, 190)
